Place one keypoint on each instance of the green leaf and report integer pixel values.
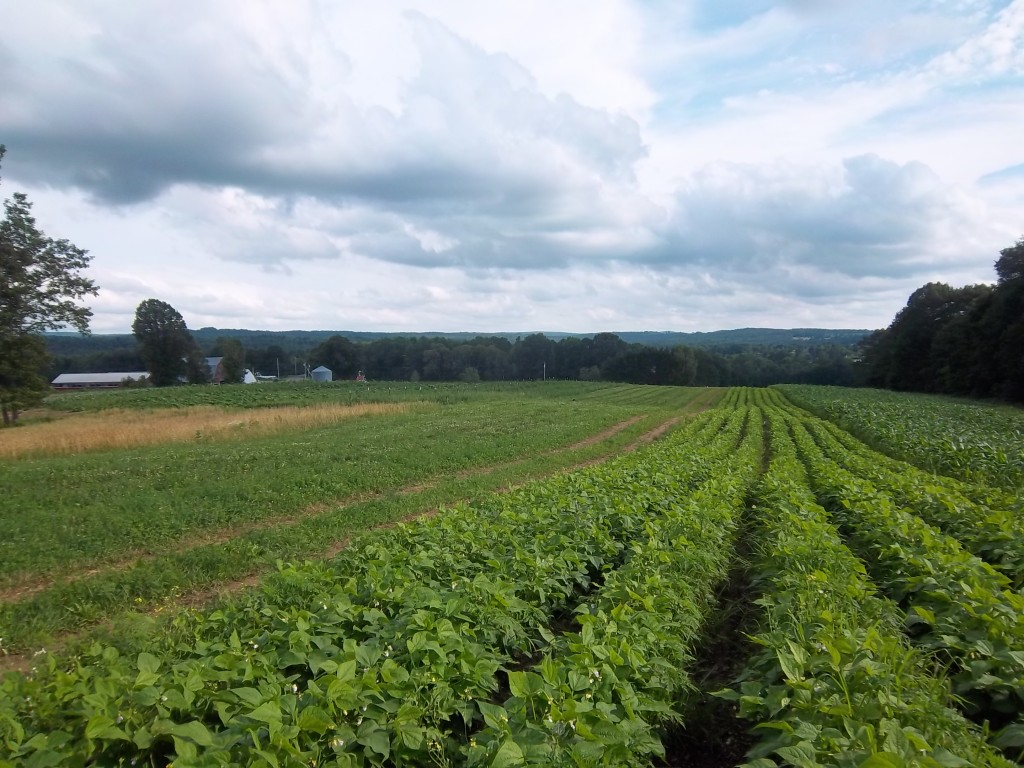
(392, 672)
(44, 759)
(346, 671)
(882, 760)
(269, 712)
(525, 684)
(789, 666)
(315, 720)
(149, 670)
(508, 755)
(149, 663)
(412, 735)
(193, 731)
(494, 716)
(1012, 736)
(103, 727)
(802, 755)
(948, 760)
(376, 739)
(251, 696)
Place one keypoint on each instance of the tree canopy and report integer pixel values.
(41, 288)
(232, 353)
(959, 341)
(1010, 265)
(164, 341)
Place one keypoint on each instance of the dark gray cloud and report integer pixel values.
(139, 107)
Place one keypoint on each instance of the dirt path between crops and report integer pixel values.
(22, 662)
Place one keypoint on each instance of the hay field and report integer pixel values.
(119, 428)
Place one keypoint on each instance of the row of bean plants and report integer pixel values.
(835, 682)
(599, 694)
(957, 605)
(994, 534)
(964, 439)
(425, 644)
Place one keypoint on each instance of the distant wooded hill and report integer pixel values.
(749, 356)
(298, 342)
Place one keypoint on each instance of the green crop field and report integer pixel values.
(750, 584)
(970, 440)
(92, 534)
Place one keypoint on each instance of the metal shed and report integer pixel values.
(96, 380)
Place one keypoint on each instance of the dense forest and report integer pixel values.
(800, 356)
(957, 341)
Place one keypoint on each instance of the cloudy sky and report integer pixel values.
(574, 165)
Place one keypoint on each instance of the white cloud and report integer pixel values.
(494, 166)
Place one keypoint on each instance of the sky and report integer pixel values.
(565, 165)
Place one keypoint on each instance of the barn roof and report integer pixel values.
(99, 378)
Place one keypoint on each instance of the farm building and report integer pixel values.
(96, 380)
(215, 369)
(322, 373)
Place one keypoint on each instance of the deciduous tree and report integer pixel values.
(164, 341)
(41, 287)
(339, 354)
(233, 362)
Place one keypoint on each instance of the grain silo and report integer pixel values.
(322, 373)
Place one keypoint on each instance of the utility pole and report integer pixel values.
(545, 369)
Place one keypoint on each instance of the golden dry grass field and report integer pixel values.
(120, 429)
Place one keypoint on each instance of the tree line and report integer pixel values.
(171, 354)
(966, 341)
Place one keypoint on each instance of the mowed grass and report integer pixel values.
(121, 428)
(64, 513)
